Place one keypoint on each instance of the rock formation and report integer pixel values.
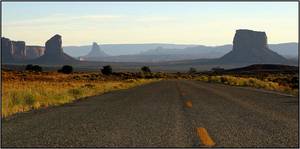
(54, 46)
(251, 47)
(33, 52)
(19, 50)
(6, 50)
(96, 51)
(54, 53)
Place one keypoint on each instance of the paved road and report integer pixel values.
(157, 115)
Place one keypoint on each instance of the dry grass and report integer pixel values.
(23, 92)
(249, 81)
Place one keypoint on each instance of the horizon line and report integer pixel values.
(192, 44)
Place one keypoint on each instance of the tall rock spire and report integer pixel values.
(54, 53)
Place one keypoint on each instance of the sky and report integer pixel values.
(206, 23)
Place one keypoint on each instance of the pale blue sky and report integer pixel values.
(208, 23)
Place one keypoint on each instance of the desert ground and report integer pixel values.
(149, 109)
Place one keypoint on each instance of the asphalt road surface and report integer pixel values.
(162, 114)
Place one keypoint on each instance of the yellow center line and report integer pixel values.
(204, 137)
(189, 103)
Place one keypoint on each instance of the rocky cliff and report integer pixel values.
(251, 47)
(12, 51)
(6, 50)
(33, 52)
(19, 50)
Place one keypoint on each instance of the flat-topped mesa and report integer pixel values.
(251, 47)
(54, 46)
(19, 50)
(6, 49)
(249, 40)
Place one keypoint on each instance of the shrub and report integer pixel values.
(107, 70)
(223, 79)
(29, 67)
(140, 75)
(76, 93)
(66, 69)
(149, 76)
(146, 69)
(217, 69)
(35, 68)
(29, 100)
(192, 70)
(295, 82)
(15, 99)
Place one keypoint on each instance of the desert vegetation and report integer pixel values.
(67, 69)
(282, 83)
(192, 70)
(33, 88)
(35, 68)
(146, 69)
(106, 70)
(26, 90)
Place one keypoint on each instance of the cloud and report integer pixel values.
(156, 19)
(106, 17)
(60, 19)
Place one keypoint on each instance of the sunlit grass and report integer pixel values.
(23, 95)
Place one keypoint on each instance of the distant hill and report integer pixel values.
(170, 52)
(288, 50)
(121, 49)
(95, 52)
(143, 58)
(191, 52)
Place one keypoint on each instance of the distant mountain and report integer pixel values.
(194, 52)
(121, 49)
(96, 52)
(170, 52)
(143, 58)
(76, 51)
(161, 54)
(288, 50)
